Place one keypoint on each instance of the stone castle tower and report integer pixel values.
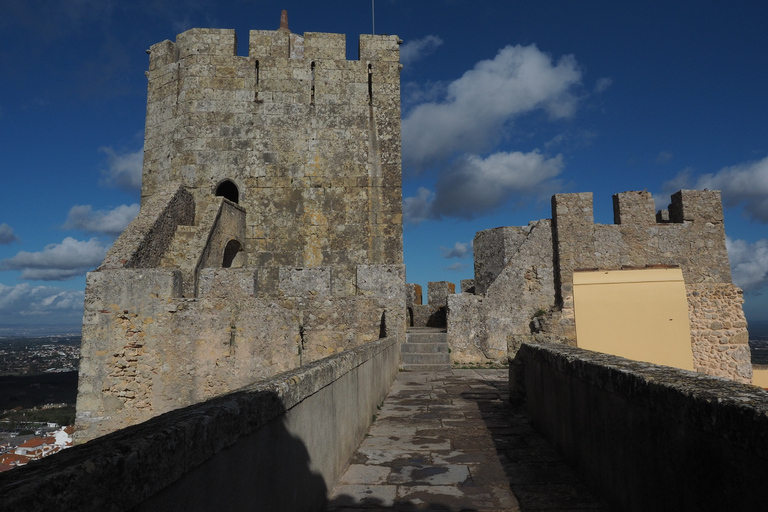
(270, 230)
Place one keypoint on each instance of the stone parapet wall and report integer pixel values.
(695, 241)
(282, 443)
(647, 437)
(719, 336)
(146, 350)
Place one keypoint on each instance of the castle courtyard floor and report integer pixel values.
(448, 441)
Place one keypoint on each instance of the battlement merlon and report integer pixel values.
(696, 205)
(637, 208)
(274, 44)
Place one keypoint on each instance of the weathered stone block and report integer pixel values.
(387, 281)
(299, 282)
(219, 282)
(438, 293)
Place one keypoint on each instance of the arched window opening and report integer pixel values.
(228, 190)
(233, 255)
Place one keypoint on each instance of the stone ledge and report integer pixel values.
(715, 405)
(122, 469)
(647, 437)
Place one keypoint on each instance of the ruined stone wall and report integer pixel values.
(514, 282)
(310, 139)
(692, 238)
(148, 237)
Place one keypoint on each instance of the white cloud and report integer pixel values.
(417, 49)
(478, 105)
(603, 84)
(419, 207)
(459, 250)
(474, 185)
(745, 184)
(413, 94)
(57, 262)
(7, 236)
(40, 304)
(456, 266)
(109, 222)
(749, 263)
(124, 170)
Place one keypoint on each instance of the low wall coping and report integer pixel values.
(715, 405)
(112, 472)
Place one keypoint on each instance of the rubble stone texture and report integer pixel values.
(270, 231)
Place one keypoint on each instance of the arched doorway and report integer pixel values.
(228, 190)
(233, 255)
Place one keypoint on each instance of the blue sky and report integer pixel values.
(504, 103)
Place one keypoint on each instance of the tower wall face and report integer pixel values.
(310, 139)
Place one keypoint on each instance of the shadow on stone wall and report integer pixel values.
(537, 474)
(270, 469)
(231, 453)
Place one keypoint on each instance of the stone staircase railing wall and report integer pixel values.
(281, 443)
(644, 436)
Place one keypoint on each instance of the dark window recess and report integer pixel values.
(228, 190)
(312, 85)
(370, 84)
(231, 251)
(256, 96)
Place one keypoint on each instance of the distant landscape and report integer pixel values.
(758, 342)
(38, 380)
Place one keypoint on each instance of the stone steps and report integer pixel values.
(425, 350)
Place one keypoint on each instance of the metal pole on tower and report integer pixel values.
(373, 18)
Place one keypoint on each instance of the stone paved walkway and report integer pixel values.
(448, 441)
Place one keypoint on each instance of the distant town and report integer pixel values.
(38, 389)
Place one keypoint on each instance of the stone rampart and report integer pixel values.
(693, 239)
(647, 437)
(281, 443)
(433, 313)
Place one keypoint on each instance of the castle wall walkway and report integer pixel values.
(449, 441)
